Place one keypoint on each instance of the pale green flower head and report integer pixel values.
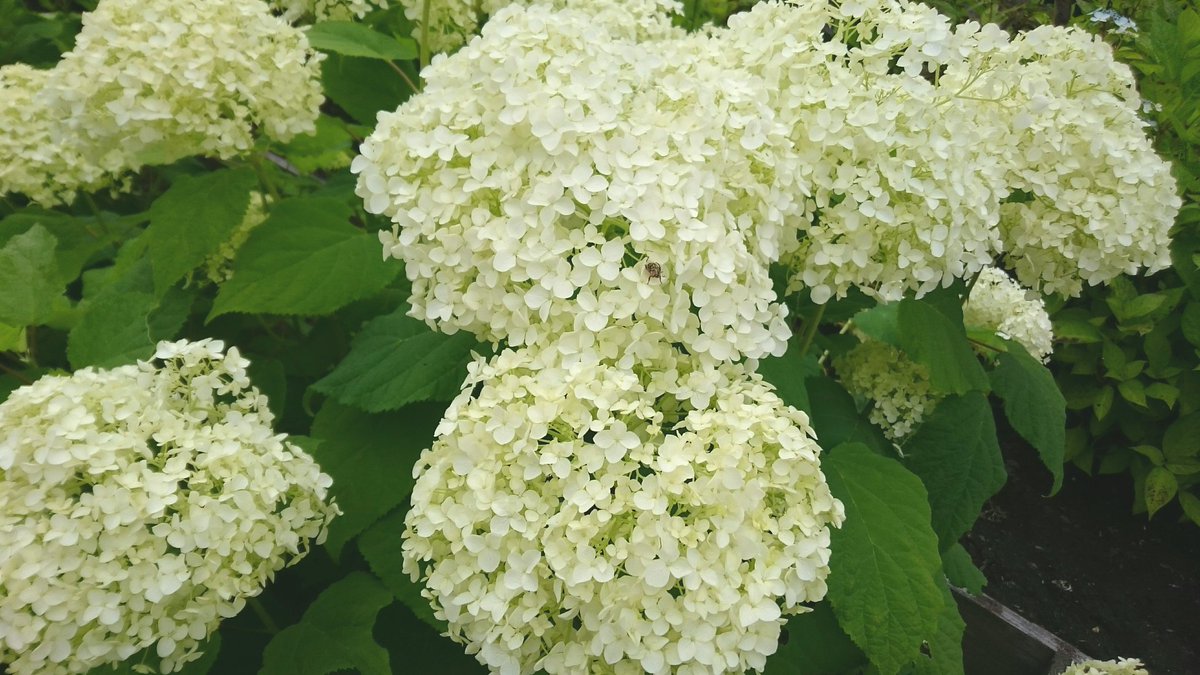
(897, 387)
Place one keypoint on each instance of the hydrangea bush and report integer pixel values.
(674, 361)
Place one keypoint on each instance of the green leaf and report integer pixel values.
(836, 419)
(988, 339)
(1163, 392)
(31, 291)
(961, 570)
(1160, 489)
(945, 646)
(1113, 358)
(788, 374)
(192, 219)
(12, 338)
(330, 147)
(1034, 406)
(362, 87)
(371, 459)
(355, 39)
(1150, 452)
(957, 456)
(382, 546)
(78, 238)
(1136, 307)
(305, 259)
(1100, 408)
(1133, 391)
(881, 322)
(886, 575)
(398, 360)
(1075, 327)
(815, 645)
(1190, 323)
(126, 319)
(1191, 506)
(1182, 439)
(933, 340)
(334, 634)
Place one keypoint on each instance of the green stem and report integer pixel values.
(263, 615)
(99, 216)
(695, 15)
(264, 179)
(423, 52)
(401, 73)
(16, 374)
(810, 329)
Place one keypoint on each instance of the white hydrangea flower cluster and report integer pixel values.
(563, 172)
(606, 504)
(305, 11)
(897, 387)
(139, 506)
(903, 198)
(1099, 201)
(149, 82)
(1115, 667)
(1035, 151)
(453, 22)
(1000, 304)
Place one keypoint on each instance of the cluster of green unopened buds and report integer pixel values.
(603, 194)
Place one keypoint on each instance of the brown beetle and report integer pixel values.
(653, 271)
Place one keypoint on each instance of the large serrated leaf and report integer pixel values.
(30, 288)
(334, 634)
(382, 546)
(305, 259)
(371, 459)
(932, 339)
(1034, 406)
(397, 360)
(126, 319)
(837, 420)
(881, 322)
(192, 218)
(957, 456)
(943, 653)
(363, 87)
(816, 645)
(886, 582)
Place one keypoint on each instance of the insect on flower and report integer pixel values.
(654, 271)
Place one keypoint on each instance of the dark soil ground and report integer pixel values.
(1082, 566)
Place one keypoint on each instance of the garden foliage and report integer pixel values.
(682, 352)
(1129, 359)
